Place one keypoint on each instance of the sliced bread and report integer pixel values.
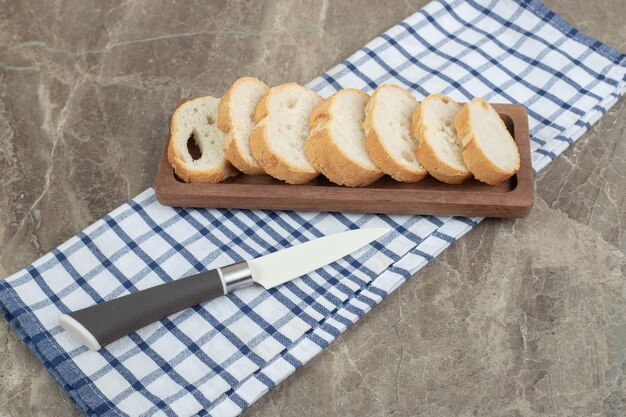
(236, 119)
(197, 120)
(488, 148)
(388, 133)
(439, 148)
(282, 127)
(336, 145)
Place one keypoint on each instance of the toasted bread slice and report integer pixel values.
(388, 133)
(488, 148)
(236, 119)
(282, 126)
(197, 120)
(336, 145)
(439, 148)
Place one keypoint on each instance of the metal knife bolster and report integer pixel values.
(235, 276)
(101, 324)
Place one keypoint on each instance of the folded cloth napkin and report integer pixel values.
(219, 357)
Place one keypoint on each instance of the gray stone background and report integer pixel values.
(518, 318)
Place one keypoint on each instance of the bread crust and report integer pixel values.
(262, 109)
(477, 161)
(271, 162)
(188, 173)
(232, 149)
(324, 154)
(376, 148)
(233, 152)
(425, 153)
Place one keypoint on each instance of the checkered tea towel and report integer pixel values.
(217, 358)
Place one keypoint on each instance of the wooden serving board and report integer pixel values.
(513, 198)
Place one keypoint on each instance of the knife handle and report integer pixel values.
(101, 324)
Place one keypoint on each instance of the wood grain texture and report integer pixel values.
(513, 198)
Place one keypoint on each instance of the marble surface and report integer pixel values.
(518, 318)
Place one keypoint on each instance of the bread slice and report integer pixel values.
(336, 145)
(388, 133)
(488, 148)
(439, 148)
(197, 120)
(277, 140)
(236, 119)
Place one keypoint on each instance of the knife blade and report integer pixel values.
(104, 323)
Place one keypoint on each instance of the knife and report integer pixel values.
(103, 323)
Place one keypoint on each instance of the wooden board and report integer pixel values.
(513, 198)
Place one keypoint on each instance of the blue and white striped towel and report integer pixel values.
(217, 358)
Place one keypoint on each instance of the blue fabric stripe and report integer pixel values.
(539, 9)
(513, 51)
(323, 303)
(537, 38)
